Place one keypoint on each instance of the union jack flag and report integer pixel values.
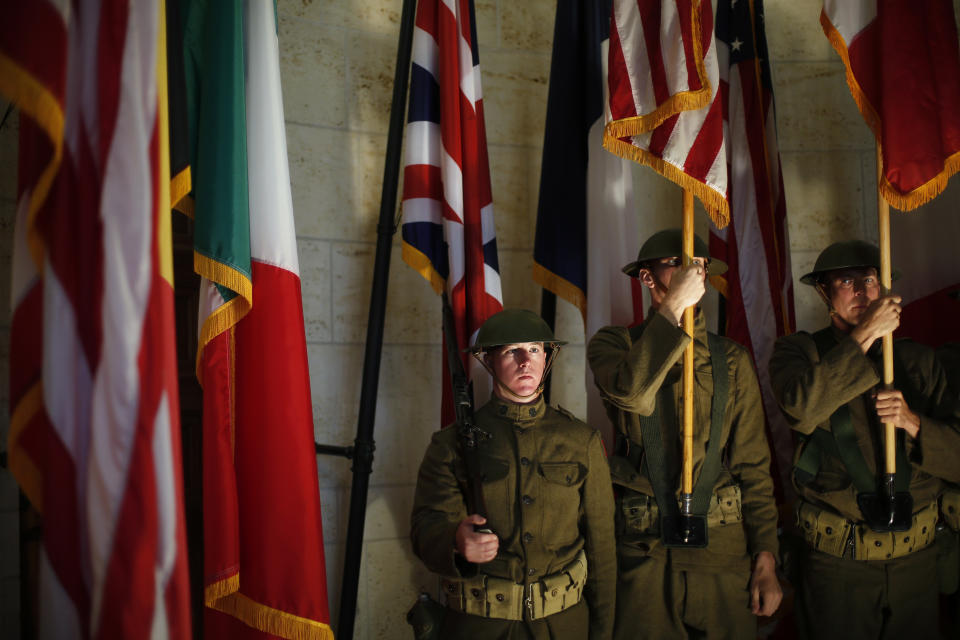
(448, 232)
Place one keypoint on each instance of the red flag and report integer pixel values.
(665, 107)
(903, 69)
(448, 231)
(95, 438)
(758, 287)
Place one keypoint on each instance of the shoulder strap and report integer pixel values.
(843, 442)
(653, 439)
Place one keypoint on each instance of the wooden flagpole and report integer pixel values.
(883, 225)
(687, 258)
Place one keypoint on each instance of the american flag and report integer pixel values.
(758, 287)
(448, 232)
(665, 109)
(95, 438)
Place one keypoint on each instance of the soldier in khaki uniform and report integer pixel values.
(856, 582)
(548, 568)
(717, 591)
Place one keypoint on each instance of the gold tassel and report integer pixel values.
(902, 201)
(714, 203)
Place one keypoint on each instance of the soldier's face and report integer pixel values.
(519, 366)
(852, 291)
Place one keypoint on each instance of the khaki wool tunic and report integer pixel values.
(809, 390)
(630, 366)
(548, 495)
(882, 598)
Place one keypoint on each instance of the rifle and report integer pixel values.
(469, 434)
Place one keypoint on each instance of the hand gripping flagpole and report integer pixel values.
(893, 510)
(690, 530)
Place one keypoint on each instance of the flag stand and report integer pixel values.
(364, 445)
(893, 510)
(690, 530)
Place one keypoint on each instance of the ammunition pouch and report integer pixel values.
(950, 508)
(492, 597)
(834, 535)
(640, 514)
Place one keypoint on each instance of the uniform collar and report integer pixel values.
(521, 414)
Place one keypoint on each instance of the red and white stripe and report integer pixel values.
(102, 444)
(665, 107)
(758, 287)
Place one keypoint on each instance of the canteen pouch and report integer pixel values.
(426, 618)
(639, 513)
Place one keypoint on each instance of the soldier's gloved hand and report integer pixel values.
(765, 591)
(476, 547)
(892, 408)
(687, 286)
(881, 317)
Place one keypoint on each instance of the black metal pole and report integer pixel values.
(548, 311)
(364, 443)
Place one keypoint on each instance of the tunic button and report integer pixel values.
(554, 593)
(475, 593)
(452, 588)
(906, 538)
(499, 597)
(503, 410)
(524, 461)
(924, 530)
(530, 572)
(877, 543)
(533, 412)
(527, 537)
(527, 500)
(829, 530)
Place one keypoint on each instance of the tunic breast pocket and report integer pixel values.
(561, 501)
(497, 493)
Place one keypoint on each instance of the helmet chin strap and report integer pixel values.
(834, 315)
(554, 350)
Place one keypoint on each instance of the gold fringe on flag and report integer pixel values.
(422, 265)
(561, 287)
(22, 466)
(680, 101)
(714, 202)
(270, 620)
(902, 201)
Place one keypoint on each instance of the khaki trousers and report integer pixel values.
(661, 603)
(869, 600)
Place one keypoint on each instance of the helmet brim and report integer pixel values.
(716, 268)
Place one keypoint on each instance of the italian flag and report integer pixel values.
(264, 567)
